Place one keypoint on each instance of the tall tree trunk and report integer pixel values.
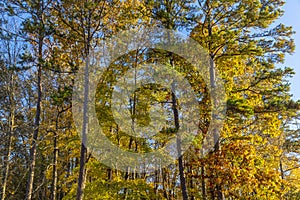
(32, 156)
(177, 126)
(55, 156)
(9, 148)
(83, 151)
(6, 172)
(216, 135)
(213, 85)
(179, 150)
(55, 176)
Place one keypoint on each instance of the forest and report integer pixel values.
(207, 115)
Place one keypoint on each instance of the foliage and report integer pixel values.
(258, 154)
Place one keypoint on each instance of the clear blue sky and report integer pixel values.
(292, 18)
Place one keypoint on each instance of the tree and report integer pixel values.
(8, 81)
(88, 22)
(225, 28)
(174, 15)
(36, 31)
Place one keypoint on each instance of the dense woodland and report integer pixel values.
(45, 42)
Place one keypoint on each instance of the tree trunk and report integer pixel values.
(83, 151)
(55, 156)
(179, 150)
(213, 85)
(9, 149)
(32, 156)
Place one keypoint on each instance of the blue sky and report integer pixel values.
(292, 17)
